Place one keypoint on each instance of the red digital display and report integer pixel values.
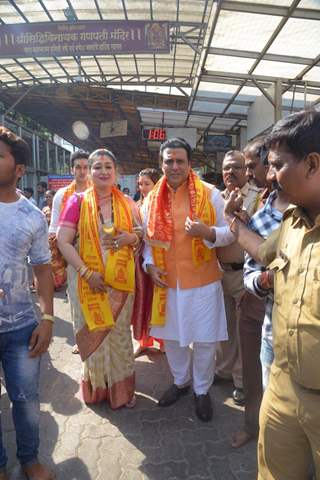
(155, 134)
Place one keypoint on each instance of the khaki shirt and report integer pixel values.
(294, 253)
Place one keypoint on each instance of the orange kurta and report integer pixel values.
(179, 265)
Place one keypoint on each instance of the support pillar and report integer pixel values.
(278, 100)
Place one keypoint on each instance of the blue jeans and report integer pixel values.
(22, 383)
(266, 358)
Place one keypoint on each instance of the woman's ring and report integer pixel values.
(116, 244)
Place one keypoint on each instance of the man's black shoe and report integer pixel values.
(203, 407)
(172, 395)
(238, 396)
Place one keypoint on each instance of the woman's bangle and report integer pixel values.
(88, 274)
(82, 270)
(85, 272)
(138, 231)
(136, 242)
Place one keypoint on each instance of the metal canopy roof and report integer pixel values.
(248, 46)
(223, 55)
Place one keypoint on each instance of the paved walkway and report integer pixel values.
(146, 443)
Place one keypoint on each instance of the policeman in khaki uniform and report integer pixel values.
(289, 439)
(228, 356)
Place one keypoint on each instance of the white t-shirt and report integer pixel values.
(56, 210)
(23, 239)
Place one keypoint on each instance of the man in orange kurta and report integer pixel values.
(193, 310)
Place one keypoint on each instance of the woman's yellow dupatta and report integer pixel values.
(119, 269)
(202, 209)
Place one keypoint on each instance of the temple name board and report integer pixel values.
(83, 38)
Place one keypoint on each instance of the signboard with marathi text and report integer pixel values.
(100, 37)
(59, 181)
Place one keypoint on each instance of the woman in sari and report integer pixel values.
(146, 181)
(97, 238)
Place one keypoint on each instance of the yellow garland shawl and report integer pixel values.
(202, 209)
(119, 270)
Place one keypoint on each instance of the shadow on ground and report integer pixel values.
(171, 443)
(147, 443)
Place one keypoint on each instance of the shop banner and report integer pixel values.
(58, 181)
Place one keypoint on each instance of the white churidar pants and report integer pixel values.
(202, 360)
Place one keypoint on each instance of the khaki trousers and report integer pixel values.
(289, 438)
(228, 356)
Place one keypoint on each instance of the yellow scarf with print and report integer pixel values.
(119, 269)
(161, 235)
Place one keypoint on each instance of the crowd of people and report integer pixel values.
(226, 283)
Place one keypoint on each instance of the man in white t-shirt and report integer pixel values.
(80, 170)
(24, 237)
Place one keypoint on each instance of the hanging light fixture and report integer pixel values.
(80, 130)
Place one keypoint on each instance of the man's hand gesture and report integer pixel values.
(233, 204)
